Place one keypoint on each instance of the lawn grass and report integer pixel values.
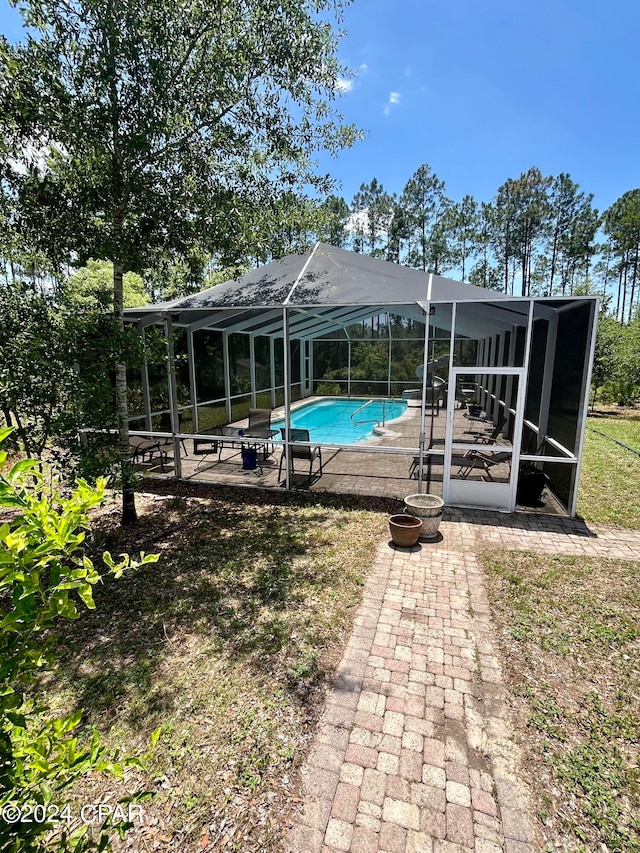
(610, 477)
(626, 429)
(226, 643)
(569, 631)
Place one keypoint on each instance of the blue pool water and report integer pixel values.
(330, 420)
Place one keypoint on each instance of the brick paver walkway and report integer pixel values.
(414, 753)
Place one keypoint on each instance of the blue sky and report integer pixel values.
(484, 90)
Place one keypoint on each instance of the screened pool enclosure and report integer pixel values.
(487, 393)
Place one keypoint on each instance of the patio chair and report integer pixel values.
(308, 454)
(464, 392)
(144, 449)
(477, 459)
(165, 426)
(259, 418)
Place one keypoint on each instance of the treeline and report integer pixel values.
(538, 236)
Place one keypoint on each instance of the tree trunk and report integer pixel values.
(554, 255)
(623, 308)
(129, 514)
(464, 255)
(506, 258)
(633, 283)
(619, 301)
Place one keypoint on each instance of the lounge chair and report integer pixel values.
(308, 454)
(491, 438)
(477, 459)
(480, 438)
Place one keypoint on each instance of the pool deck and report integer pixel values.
(353, 472)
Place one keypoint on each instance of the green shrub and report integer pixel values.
(45, 575)
(329, 389)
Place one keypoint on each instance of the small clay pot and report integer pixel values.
(405, 529)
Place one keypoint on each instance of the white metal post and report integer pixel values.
(146, 394)
(582, 420)
(511, 358)
(227, 374)
(495, 362)
(173, 398)
(423, 406)
(252, 368)
(450, 413)
(425, 360)
(389, 361)
(547, 380)
(490, 380)
(287, 394)
(521, 399)
(498, 382)
(272, 369)
(193, 390)
(485, 376)
(303, 375)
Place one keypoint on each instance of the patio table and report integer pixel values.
(233, 437)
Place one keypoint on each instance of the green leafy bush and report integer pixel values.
(329, 389)
(616, 367)
(45, 574)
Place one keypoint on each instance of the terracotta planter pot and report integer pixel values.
(405, 530)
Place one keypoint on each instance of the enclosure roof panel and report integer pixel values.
(329, 276)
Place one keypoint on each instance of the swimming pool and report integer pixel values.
(330, 420)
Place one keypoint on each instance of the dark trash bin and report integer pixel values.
(249, 458)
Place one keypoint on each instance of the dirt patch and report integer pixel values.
(631, 413)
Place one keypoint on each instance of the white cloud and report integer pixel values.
(394, 98)
(344, 85)
(364, 67)
(358, 223)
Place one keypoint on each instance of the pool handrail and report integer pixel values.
(359, 409)
(371, 420)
